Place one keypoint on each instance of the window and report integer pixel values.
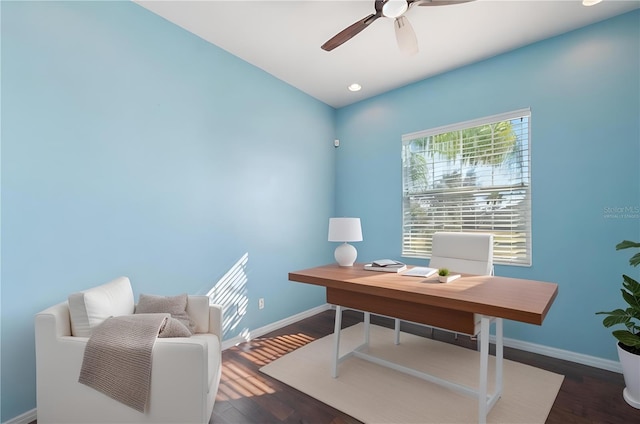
(472, 177)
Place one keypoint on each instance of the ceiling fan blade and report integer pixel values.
(436, 2)
(405, 36)
(349, 32)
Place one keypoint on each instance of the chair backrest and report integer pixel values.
(468, 253)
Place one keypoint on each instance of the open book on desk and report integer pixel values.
(385, 265)
(421, 271)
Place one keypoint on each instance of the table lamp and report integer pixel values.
(345, 230)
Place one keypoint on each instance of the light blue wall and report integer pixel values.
(583, 89)
(131, 147)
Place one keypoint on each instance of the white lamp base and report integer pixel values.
(345, 254)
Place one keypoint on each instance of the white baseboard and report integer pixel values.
(274, 326)
(25, 418)
(579, 358)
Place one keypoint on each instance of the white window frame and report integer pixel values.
(425, 209)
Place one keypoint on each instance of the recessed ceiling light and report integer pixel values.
(355, 87)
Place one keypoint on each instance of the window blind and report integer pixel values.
(473, 177)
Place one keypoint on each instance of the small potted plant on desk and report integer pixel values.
(629, 339)
(444, 276)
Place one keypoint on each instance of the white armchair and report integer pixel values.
(184, 378)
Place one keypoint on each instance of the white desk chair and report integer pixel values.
(466, 253)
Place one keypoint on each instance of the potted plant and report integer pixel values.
(629, 339)
(444, 276)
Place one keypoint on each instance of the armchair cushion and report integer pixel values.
(174, 328)
(89, 308)
(174, 305)
(198, 310)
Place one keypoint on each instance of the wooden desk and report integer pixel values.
(466, 305)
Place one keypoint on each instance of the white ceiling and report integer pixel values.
(284, 37)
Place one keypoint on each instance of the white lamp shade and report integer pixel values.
(345, 229)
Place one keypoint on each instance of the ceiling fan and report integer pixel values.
(394, 9)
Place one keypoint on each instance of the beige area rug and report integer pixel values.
(375, 394)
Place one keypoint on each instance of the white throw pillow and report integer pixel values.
(89, 308)
(174, 305)
(198, 310)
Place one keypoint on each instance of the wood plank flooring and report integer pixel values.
(588, 395)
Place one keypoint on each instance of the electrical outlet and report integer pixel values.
(261, 303)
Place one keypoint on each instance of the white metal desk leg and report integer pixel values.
(397, 331)
(484, 369)
(367, 327)
(499, 356)
(336, 341)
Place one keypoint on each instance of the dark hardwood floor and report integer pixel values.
(587, 395)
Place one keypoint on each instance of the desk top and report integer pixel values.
(502, 297)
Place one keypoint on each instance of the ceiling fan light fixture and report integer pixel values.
(394, 8)
(590, 2)
(354, 87)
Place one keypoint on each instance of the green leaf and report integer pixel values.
(626, 244)
(633, 301)
(627, 338)
(630, 326)
(635, 313)
(615, 317)
(632, 285)
(614, 312)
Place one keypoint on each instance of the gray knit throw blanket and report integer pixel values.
(117, 358)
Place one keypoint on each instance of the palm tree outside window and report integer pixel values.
(473, 177)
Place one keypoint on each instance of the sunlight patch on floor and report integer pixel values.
(238, 381)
